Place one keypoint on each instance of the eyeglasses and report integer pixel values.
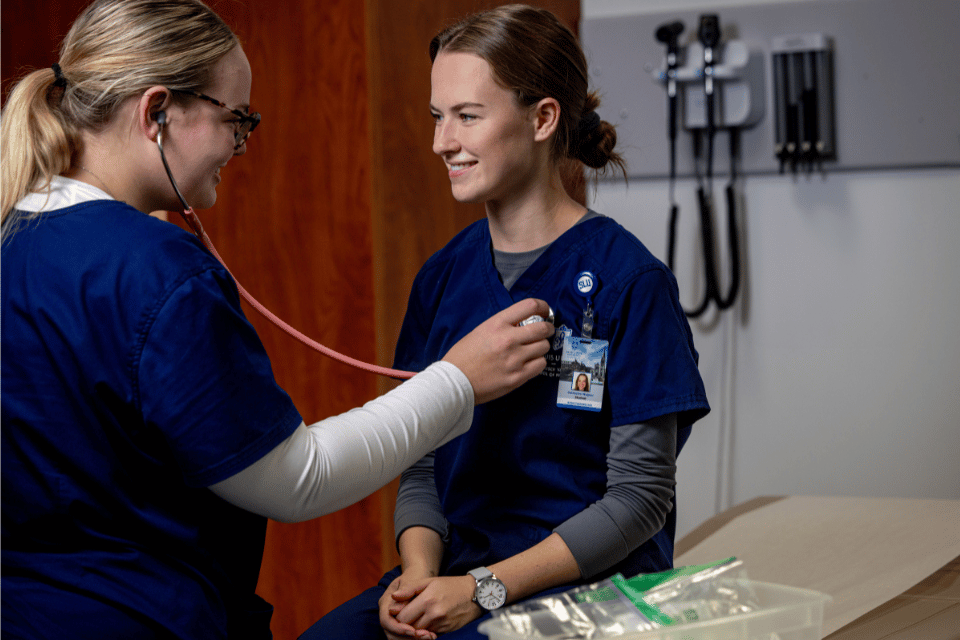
(245, 124)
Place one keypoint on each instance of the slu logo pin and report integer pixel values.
(586, 283)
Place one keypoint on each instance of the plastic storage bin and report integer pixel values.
(785, 613)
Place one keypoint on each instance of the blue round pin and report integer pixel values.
(586, 283)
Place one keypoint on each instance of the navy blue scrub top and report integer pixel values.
(131, 380)
(528, 465)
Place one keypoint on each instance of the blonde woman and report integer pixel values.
(145, 440)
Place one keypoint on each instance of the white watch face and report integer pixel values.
(491, 594)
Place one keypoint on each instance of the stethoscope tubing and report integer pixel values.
(190, 217)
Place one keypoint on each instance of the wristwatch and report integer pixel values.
(490, 593)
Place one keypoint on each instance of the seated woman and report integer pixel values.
(543, 493)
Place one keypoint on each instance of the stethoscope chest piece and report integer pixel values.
(550, 318)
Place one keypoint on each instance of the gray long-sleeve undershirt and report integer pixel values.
(641, 472)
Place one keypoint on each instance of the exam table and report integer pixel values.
(891, 565)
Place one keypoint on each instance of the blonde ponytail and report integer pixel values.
(35, 143)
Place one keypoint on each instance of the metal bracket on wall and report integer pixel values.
(740, 86)
(896, 101)
(803, 100)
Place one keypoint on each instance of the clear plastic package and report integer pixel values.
(785, 613)
(617, 606)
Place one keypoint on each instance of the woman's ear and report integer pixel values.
(151, 111)
(546, 119)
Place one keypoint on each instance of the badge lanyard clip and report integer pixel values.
(586, 285)
(586, 327)
(583, 363)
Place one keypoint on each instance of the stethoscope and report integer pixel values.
(194, 222)
(709, 36)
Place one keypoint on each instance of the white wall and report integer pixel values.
(838, 373)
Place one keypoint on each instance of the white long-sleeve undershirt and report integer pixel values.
(332, 464)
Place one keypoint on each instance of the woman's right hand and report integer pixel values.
(498, 356)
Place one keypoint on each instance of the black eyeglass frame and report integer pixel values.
(248, 121)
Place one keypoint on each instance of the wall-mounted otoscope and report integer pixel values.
(722, 89)
(709, 37)
(669, 34)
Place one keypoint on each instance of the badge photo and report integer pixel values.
(583, 373)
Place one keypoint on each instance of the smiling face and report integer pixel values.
(201, 134)
(485, 138)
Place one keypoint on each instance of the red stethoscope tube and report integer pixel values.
(194, 222)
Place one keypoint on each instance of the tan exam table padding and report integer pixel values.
(892, 566)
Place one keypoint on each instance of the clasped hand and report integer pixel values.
(425, 606)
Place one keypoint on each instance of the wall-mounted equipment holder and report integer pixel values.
(739, 81)
(723, 89)
(896, 96)
(803, 100)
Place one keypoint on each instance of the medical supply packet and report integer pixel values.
(617, 605)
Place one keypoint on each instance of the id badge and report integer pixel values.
(583, 373)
